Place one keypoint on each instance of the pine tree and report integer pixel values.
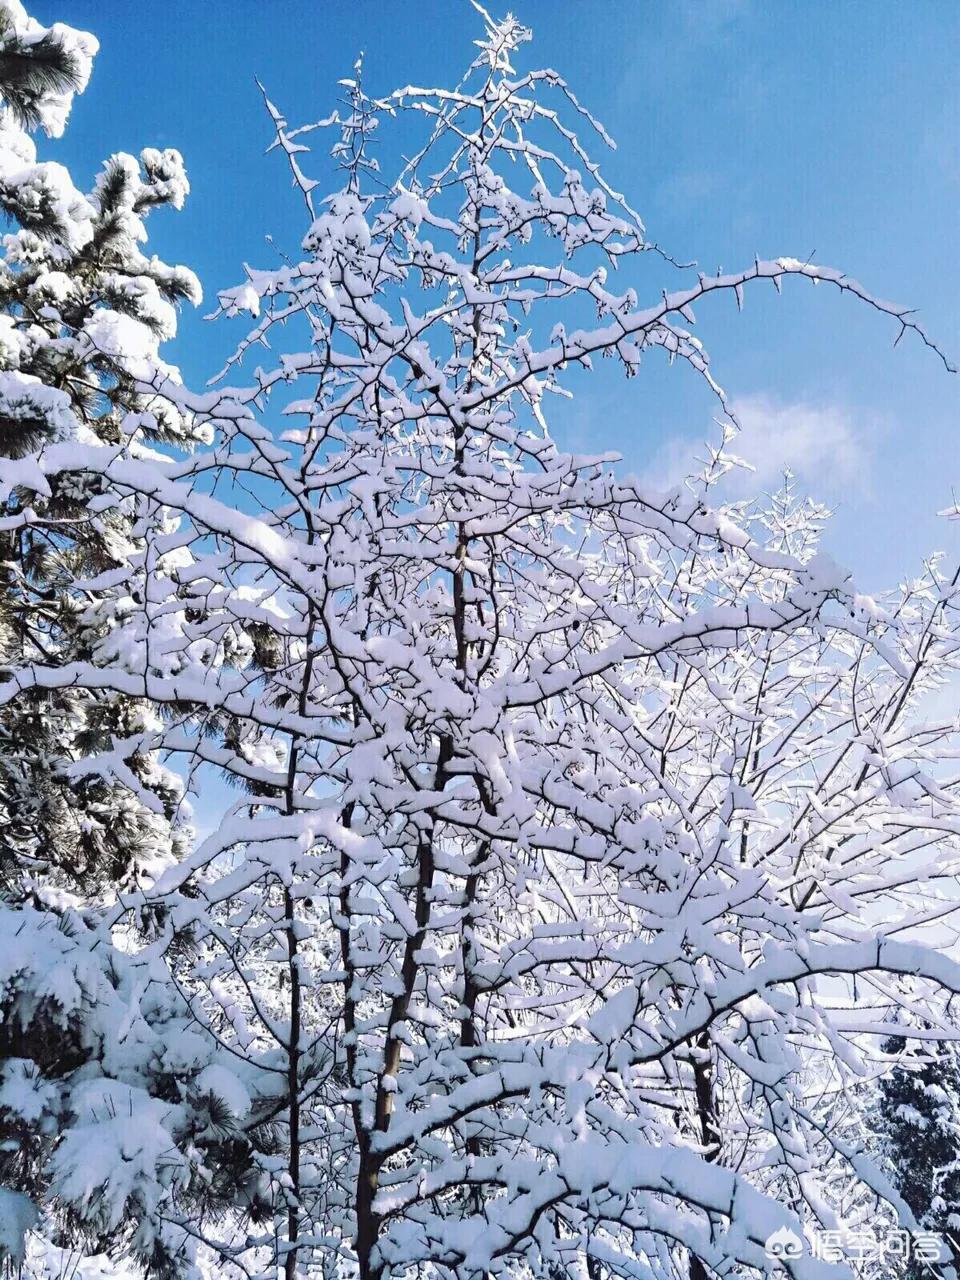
(82, 312)
(919, 1121)
(101, 1112)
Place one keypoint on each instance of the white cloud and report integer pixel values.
(825, 448)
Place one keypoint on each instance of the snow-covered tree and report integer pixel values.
(109, 1096)
(90, 1088)
(581, 823)
(82, 313)
(821, 764)
(918, 1110)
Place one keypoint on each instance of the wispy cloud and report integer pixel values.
(823, 445)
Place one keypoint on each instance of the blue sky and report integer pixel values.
(798, 127)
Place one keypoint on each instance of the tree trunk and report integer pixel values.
(707, 1120)
(293, 1087)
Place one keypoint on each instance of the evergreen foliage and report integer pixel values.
(919, 1121)
(82, 313)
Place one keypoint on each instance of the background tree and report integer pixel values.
(919, 1132)
(99, 1114)
(82, 312)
